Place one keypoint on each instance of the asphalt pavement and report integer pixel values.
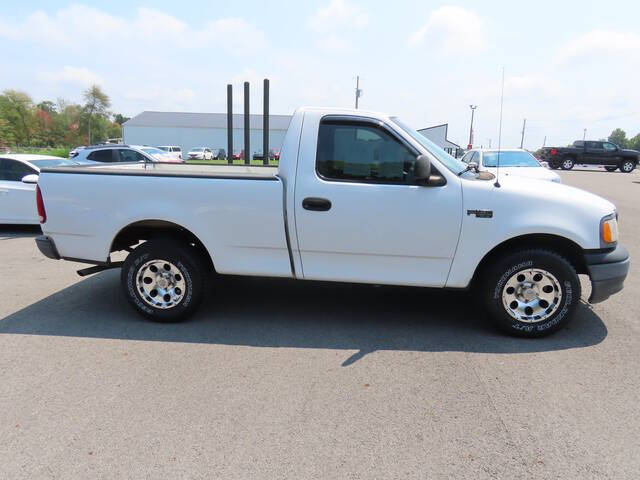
(283, 379)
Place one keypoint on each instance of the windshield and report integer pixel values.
(52, 162)
(165, 149)
(152, 151)
(509, 159)
(198, 149)
(453, 164)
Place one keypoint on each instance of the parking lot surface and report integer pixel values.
(283, 379)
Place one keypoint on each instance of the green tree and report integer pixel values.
(634, 143)
(47, 106)
(96, 105)
(619, 137)
(119, 118)
(6, 133)
(17, 108)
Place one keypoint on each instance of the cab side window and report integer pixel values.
(362, 152)
(14, 171)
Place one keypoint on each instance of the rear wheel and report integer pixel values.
(567, 163)
(531, 293)
(627, 166)
(164, 279)
(610, 169)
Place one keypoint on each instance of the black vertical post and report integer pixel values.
(247, 146)
(265, 124)
(229, 124)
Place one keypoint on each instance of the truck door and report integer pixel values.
(610, 154)
(594, 153)
(360, 216)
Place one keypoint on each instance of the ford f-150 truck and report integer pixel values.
(590, 152)
(357, 197)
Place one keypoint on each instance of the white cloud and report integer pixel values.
(82, 27)
(602, 43)
(81, 76)
(163, 98)
(452, 30)
(337, 15)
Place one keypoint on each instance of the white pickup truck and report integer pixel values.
(358, 197)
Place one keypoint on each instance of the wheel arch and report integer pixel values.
(555, 243)
(144, 230)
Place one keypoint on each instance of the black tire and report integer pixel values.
(496, 283)
(627, 166)
(567, 163)
(183, 259)
(553, 166)
(610, 169)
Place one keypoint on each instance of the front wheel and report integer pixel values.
(610, 169)
(164, 280)
(531, 293)
(627, 166)
(567, 163)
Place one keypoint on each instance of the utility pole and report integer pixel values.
(489, 142)
(544, 142)
(473, 110)
(358, 91)
(584, 134)
(524, 124)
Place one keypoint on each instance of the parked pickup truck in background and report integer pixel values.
(591, 152)
(357, 197)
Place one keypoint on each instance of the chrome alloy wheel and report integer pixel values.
(531, 295)
(160, 283)
(567, 164)
(627, 166)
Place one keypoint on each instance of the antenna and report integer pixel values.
(497, 184)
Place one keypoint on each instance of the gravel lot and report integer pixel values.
(277, 379)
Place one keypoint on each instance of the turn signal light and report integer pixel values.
(610, 231)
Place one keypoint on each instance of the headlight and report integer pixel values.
(609, 230)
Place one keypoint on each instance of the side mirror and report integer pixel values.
(31, 178)
(474, 166)
(422, 170)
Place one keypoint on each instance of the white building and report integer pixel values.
(189, 130)
(438, 135)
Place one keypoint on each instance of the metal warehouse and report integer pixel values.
(189, 130)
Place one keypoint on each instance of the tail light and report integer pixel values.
(42, 213)
(553, 151)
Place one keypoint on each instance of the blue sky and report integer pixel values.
(569, 65)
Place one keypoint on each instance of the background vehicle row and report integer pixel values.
(591, 152)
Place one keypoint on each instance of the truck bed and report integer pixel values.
(235, 211)
(172, 170)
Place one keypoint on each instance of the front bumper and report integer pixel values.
(47, 247)
(607, 272)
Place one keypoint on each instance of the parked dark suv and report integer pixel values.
(591, 152)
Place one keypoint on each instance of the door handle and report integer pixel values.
(316, 204)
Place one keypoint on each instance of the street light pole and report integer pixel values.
(524, 125)
(584, 134)
(473, 110)
(358, 91)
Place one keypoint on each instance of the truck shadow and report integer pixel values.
(284, 313)
(19, 231)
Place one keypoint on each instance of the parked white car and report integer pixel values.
(18, 178)
(158, 155)
(357, 197)
(200, 153)
(516, 162)
(172, 150)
